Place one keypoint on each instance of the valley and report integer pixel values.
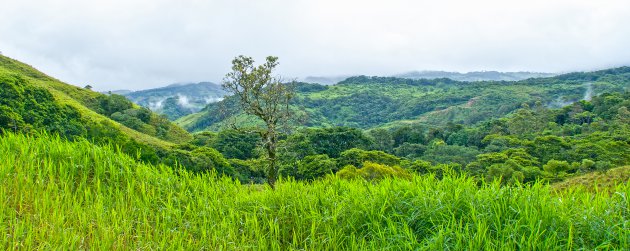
(371, 163)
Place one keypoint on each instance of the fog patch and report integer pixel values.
(563, 101)
(183, 101)
(211, 99)
(153, 106)
(588, 94)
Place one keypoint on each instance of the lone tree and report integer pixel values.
(263, 95)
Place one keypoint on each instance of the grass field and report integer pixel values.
(74, 195)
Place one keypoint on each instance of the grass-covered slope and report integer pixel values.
(368, 102)
(597, 181)
(31, 100)
(60, 195)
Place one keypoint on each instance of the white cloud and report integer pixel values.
(134, 44)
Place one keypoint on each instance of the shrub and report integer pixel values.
(373, 171)
(315, 166)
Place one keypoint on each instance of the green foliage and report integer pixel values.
(443, 153)
(34, 101)
(24, 108)
(261, 95)
(236, 144)
(330, 141)
(56, 194)
(31, 102)
(596, 182)
(556, 167)
(409, 150)
(357, 157)
(249, 171)
(315, 166)
(373, 171)
(418, 166)
(199, 159)
(141, 119)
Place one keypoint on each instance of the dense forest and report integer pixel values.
(531, 143)
(368, 102)
(371, 163)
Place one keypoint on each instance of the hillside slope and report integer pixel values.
(597, 181)
(32, 100)
(368, 102)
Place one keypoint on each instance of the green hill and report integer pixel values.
(368, 102)
(32, 102)
(56, 194)
(35, 100)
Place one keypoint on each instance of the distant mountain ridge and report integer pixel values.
(464, 77)
(475, 75)
(177, 100)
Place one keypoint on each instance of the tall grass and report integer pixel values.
(74, 195)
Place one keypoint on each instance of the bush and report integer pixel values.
(315, 166)
(373, 171)
(357, 157)
(556, 167)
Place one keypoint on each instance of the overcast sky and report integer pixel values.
(139, 44)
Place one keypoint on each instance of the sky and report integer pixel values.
(140, 44)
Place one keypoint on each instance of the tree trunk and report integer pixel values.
(272, 171)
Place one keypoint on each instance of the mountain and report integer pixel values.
(177, 100)
(368, 102)
(475, 75)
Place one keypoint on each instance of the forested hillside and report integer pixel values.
(368, 102)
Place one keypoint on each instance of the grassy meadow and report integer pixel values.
(56, 194)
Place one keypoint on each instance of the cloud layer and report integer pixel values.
(137, 44)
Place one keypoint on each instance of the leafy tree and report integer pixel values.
(236, 144)
(248, 170)
(556, 167)
(114, 103)
(383, 140)
(264, 96)
(418, 166)
(316, 166)
(410, 150)
(373, 171)
(587, 165)
(329, 141)
(443, 153)
(357, 157)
